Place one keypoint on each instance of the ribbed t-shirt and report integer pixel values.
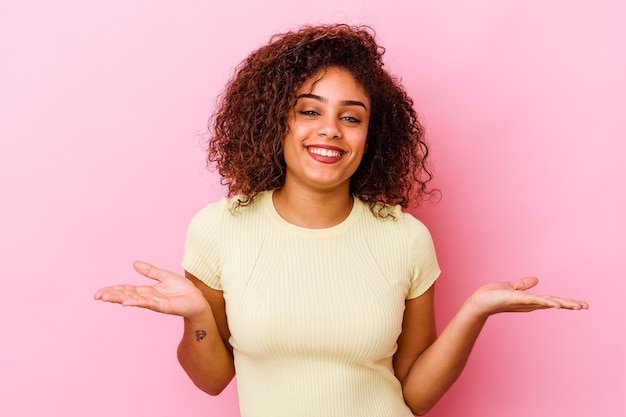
(314, 314)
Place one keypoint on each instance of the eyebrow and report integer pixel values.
(325, 100)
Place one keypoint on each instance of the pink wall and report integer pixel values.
(101, 112)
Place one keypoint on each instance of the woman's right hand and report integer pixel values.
(172, 294)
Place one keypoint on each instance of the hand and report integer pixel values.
(173, 294)
(500, 297)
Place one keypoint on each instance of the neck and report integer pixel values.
(313, 210)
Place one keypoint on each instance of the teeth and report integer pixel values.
(324, 152)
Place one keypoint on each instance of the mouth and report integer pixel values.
(325, 152)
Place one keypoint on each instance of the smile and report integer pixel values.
(332, 153)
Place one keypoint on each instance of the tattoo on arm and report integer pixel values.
(200, 334)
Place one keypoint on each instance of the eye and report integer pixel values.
(310, 113)
(351, 119)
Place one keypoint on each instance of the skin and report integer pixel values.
(324, 147)
(327, 139)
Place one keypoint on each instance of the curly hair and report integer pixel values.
(247, 129)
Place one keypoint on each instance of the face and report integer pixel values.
(328, 132)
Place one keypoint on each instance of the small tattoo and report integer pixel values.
(200, 334)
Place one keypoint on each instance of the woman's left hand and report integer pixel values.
(500, 297)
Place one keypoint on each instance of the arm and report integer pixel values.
(427, 366)
(202, 352)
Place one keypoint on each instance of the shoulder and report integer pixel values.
(394, 217)
(404, 231)
(229, 207)
(419, 237)
(229, 219)
(209, 216)
(414, 226)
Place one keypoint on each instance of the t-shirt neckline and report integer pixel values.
(339, 228)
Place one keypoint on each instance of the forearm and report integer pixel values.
(204, 356)
(436, 369)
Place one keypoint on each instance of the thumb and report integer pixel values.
(525, 283)
(149, 271)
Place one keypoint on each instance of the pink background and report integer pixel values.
(102, 109)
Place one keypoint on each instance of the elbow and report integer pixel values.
(212, 390)
(210, 382)
(419, 406)
(211, 385)
(420, 411)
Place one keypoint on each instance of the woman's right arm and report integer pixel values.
(204, 351)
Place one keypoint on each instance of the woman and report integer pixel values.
(308, 280)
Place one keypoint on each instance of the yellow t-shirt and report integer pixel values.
(314, 314)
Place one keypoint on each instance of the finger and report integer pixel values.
(546, 302)
(149, 271)
(109, 291)
(525, 283)
(129, 299)
(136, 301)
(113, 295)
(534, 301)
(568, 303)
(98, 294)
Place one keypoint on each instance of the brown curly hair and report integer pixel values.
(248, 127)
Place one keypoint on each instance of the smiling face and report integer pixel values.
(328, 132)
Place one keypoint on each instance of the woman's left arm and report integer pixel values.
(427, 365)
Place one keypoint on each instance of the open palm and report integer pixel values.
(499, 297)
(173, 294)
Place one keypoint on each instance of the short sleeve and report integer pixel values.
(425, 268)
(201, 256)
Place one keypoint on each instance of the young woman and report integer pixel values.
(308, 281)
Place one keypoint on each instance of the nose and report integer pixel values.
(329, 127)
